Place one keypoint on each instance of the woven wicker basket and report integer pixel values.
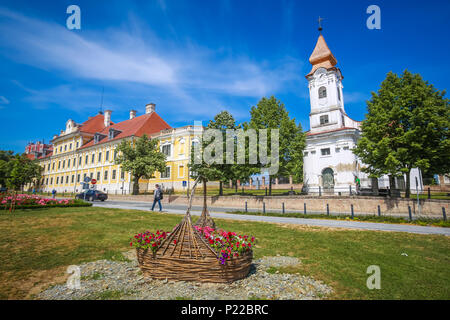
(185, 256)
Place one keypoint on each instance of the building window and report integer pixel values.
(48, 167)
(67, 179)
(60, 149)
(105, 175)
(53, 166)
(166, 173)
(74, 162)
(91, 175)
(339, 94)
(324, 119)
(98, 176)
(57, 180)
(77, 144)
(338, 150)
(306, 153)
(65, 147)
(86, 160)
(122, 175)
(73, 179)
(115, 154)
(68, 163)
(107, 156)
(166, 149)
(63, 164)
(51, 181)
(70, 146)
(46, 181)
(113, 175)
(322, 92)
(181, 171)
(99, 157)
(93, 158)
(78, 177)
(325, 152)
(84, 177)
(59, 165)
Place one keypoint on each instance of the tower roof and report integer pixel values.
(321, 57)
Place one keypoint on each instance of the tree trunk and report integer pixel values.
(235, 187)
(220, 188)
(270, 185)
(205, 219)
(136, 185)
(407, 187)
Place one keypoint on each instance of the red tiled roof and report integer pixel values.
(47, 155)
(344, 128)
(30, 156)
(149, 123)
(94, 124)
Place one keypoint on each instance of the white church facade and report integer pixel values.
(330, 166)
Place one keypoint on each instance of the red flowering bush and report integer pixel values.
(33, 200)
(148, 240)
(227, 244)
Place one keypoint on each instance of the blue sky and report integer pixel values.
(195, 58)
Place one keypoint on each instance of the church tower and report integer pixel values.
(325, 90)
(329, 163)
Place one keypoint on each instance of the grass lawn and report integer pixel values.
(365, 218)
(38, 245)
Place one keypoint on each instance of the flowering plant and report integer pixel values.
(226, 244)
(25, 199)
(148, 240)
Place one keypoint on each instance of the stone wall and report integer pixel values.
(361, 205)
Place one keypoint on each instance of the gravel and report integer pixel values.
(105, 279)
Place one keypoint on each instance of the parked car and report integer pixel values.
(92, 195)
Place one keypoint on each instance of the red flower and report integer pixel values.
(174, 241)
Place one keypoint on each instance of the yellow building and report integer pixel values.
(89, 149)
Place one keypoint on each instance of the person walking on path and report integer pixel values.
(54, 193)
(157, 196)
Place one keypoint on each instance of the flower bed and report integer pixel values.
(226, 244)
(25, 201)
(192, 253)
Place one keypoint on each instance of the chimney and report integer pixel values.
(132, 114)
(107, 118)
(149, 108)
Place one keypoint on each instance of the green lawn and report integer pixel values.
(37, 246)
(358, 217)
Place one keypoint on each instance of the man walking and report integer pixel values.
(157, 196)
(53, 193)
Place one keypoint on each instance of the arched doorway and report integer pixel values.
(328, 180)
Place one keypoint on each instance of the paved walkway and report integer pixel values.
(221, 214)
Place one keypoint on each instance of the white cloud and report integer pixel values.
(3, 100)
(189, 74)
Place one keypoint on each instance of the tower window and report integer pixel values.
(339, 93)
(325, 152)
(322, 92)
(324, 119)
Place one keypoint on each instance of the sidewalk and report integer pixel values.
(220, 213)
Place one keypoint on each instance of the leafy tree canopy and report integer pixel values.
(406, 127)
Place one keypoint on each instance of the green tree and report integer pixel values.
(5, 158)
(22, 171)
(141, 157)
(406, 126)
(269, 114)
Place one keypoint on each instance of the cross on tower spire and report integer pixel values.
(320, 23)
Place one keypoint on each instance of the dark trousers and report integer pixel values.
(159, 202)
